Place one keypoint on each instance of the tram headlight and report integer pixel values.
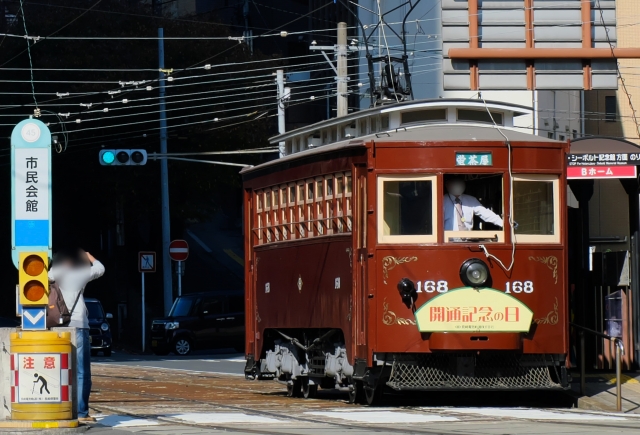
(474, 273)
(407, 290)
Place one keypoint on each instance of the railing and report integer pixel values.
(619, 352)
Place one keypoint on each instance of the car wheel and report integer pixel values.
(107, 352)
(182, 346)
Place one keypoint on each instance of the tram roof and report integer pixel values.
(406, 106)
(435, 132)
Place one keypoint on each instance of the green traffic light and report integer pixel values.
(108, 157)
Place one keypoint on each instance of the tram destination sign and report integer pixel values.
(603, 159)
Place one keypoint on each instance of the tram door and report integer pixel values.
(360, 260)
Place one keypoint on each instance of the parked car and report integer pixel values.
(99, 328)
(9, 322)
(203, 321)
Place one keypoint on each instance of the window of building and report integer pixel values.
(536, 208)
(610, 109)
(472, 207)
(408, 209)
(551, 135)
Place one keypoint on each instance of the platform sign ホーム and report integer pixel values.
(30, 188)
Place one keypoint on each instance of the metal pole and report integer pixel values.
(343, 102)
(143, 312)
(164, 183)
(583, 382)
(618, 376)
(281, 126)
(179, 278)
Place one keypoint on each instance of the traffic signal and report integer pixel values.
(123, 157)
(33, 279)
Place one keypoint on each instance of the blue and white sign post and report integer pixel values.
(30, 188)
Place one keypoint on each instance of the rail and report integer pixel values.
(619, 352)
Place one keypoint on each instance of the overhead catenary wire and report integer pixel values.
(26, 34)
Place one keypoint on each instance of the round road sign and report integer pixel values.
(179, 250)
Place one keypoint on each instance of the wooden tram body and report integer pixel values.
(331, 231)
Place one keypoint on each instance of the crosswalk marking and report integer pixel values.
(530, 414)
(222, 417)
(383, 417)
(125, 421)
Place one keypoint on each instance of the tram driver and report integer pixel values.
(460, 209)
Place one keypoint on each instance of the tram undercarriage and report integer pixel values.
(304, 364)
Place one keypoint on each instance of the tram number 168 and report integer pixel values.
(519, 287)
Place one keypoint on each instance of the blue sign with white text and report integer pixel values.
(30, 188)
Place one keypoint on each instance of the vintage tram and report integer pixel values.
(368, 268)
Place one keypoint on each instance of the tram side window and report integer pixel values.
(536, 208)
(473, 207)
(407, 209)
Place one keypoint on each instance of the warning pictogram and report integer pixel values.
(40, 377)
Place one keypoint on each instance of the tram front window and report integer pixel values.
(407, 209)
(472, 207)
(536, 208)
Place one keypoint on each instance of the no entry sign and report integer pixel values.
(590, 172)
(179, 250)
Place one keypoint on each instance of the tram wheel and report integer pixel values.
(293, 389)
(356, 394)
(309, 390)
(373, 395)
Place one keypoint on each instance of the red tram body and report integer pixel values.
(353, 282)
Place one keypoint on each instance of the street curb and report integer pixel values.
(52, 431)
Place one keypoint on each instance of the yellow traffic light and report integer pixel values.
(33, 279)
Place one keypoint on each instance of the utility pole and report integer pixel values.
(281, 126)
(164, 183)
(340, 50)
(343, 101)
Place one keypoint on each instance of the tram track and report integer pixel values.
(123, 392)
(256, 412)
(470, 419)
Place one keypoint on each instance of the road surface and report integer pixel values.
(205, 394)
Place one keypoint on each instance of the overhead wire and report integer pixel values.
(26, 35)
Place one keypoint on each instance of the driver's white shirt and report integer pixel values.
(470, 207)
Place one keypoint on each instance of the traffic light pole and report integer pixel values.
(164, 183)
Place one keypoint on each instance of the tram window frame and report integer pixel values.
(540, 238)
(318, 208)
(300, 219)
(291, 209)
(284, 191)
(348, 200)
(259, 200)
(402, 238)
(476, 236)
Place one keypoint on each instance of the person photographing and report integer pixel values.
(71, 270)
(460, 209)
